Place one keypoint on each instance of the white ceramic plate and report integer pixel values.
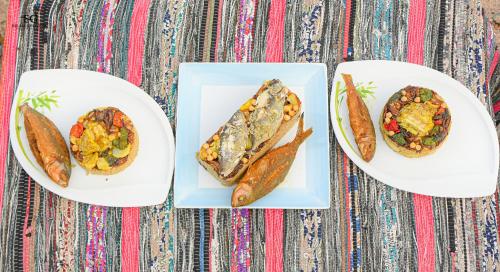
(145, 182)
(466, 165)
(210, 93)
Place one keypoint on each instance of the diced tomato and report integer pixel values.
(392, 126)
(438, 122)
(76, 130)
(117, 119)
(440, 111)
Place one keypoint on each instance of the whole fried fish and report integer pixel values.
(268, 114)
(48, 145)
(269, 171)
(233, 143)
(360, 120)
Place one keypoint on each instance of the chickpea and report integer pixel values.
(412, 145)
(244, 160)
(404, 98)
(387, 120)
(74, 148)
(388, 114)
(418, 147)
(391, 133)
(216, 137)
(417, 99)
(295, 108)
(287, 108)
(210, 158)
(215, 155)
(286, 117)
(206, 146)
(292, 113)
(403, 92)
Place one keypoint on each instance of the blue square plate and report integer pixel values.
(209, 93)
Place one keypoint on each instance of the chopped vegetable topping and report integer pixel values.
(399, 138)
(425, 94)
(76, 130)
(117, 119)
(392, 126)
(395, 97)
(429, 141)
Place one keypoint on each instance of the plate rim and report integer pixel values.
(138, 93)
(179, 202)
(370, 170)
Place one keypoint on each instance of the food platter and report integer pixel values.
(63, 96)
(466, 165)
(208, 96)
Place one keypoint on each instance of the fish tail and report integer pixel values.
(301, 134)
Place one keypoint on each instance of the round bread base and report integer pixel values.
(134, 149)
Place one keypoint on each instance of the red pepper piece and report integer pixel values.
(392, 126)
(117, 119)
(76, 130)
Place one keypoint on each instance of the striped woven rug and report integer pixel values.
(370, 226)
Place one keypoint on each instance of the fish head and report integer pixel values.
(242, 195)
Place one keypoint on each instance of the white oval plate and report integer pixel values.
(466, 165)
(145, 182)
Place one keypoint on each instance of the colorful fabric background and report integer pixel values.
(370, 226)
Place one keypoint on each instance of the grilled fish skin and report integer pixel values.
(48, 145)
(268, 114)
(234, 139)
(269, 171)
(360, 120)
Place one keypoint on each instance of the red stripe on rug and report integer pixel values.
(136, 41)
(346, 26)
(7, 88)
(274, 217)
(130, 216)
(424, 216)
(274, 240)
(26, 231)
(276, 31)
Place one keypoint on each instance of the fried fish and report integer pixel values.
(48, 145)
(269, 171)
(360, 120)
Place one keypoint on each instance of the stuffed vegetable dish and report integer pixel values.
(104, 141)
(415, 121)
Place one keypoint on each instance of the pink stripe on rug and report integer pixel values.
(7, 88)
(424, 216)
(274, 217)
(416, 31)
(276, 31)
(130, 216)
(274, 240)
(346, 26)
(136, 41)
(494, 63)
(26, 230)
